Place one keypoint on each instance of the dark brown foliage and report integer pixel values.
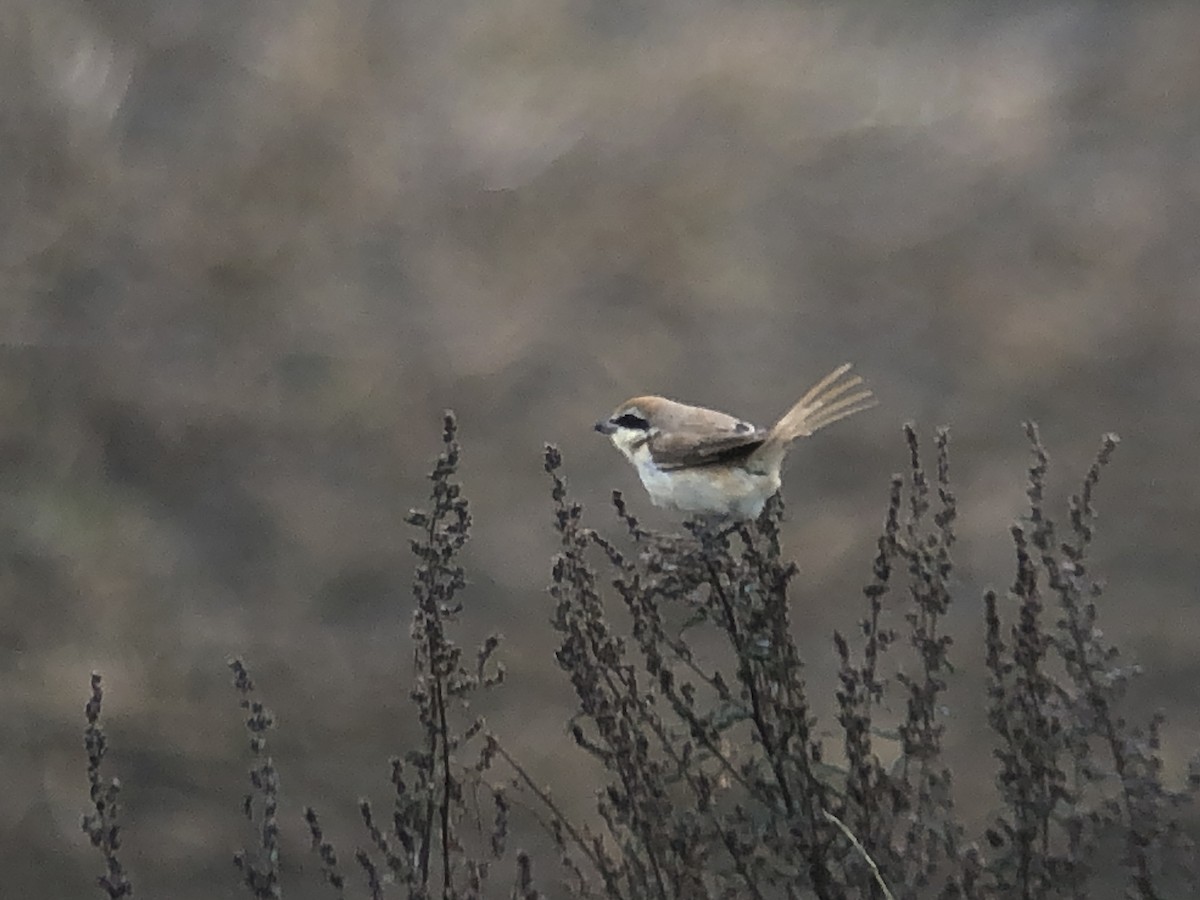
(101, 825)
(719, 782)
(259, 867)
(422, 848)
(1072, 772)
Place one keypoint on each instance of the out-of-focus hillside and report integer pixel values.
(248, 253)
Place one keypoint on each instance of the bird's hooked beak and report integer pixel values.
(604, 426)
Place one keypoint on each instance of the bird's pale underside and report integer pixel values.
(702, 461)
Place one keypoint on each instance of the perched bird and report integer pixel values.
(702, 461)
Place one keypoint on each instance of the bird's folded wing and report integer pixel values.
(685, 449)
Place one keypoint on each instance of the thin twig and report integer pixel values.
(862, 852)
(549, 803)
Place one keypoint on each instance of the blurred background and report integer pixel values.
(250, 252)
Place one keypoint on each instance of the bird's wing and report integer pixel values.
(685, 449)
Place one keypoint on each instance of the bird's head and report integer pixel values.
(636, 421)
(633, 422)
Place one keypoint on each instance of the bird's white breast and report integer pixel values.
(716, 489)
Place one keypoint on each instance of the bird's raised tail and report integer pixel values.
(829, 400)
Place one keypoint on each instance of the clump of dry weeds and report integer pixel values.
(718, 782)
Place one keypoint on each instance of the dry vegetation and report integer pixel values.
(250, 252)
(717, 779)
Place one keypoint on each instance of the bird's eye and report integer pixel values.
(632, 420)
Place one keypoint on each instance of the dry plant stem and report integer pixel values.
(765, 715)
(330, 870)
(523, 889)
(432, 786)
(1058, 790)
(374, 881)
(432, 592)
(547, 801)
(780, 723)
(862, 851)
(926, 550)
(260, 869)
(591, 656)
(904, 813)
(749, 679)
(648, 623)
(101, 825)
(653, 638)
(862, 688)
(446, 799)
(1066, 579)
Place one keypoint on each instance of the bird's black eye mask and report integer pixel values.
(632, 420)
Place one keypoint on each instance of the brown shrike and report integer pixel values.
(702, 461)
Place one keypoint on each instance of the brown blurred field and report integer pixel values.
(249, 252)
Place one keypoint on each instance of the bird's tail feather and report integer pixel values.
(828, 401)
